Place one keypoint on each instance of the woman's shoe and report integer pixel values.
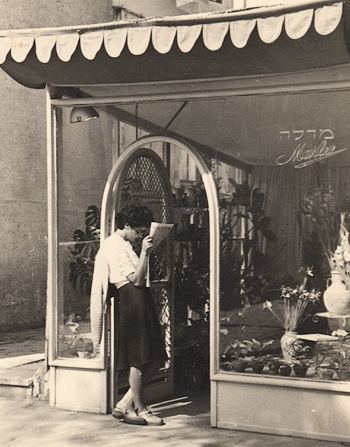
(150, 418)
(128, 415)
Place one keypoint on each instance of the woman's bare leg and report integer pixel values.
(138, 378)
(136, 387)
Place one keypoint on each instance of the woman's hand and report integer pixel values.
(147, 244)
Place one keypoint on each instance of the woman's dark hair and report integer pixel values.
(135, 216)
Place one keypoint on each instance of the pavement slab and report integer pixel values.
(33, 423)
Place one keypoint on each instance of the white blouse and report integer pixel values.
(121, 258)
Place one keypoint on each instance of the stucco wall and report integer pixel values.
(44, 13)
(23, 217)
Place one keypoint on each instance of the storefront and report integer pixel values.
(233, 124)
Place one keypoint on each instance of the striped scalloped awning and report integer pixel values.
(210, 32)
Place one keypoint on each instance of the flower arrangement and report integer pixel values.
(296, 303)
(76, 342)
(341, 258)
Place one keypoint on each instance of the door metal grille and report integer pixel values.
(144, 181)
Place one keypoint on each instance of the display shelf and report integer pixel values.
(330, 315)
(317, 337)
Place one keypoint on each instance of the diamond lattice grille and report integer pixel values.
(145, 184)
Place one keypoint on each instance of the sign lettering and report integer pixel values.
(305, 153)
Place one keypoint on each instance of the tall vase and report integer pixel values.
(287, 345)
(336, 297)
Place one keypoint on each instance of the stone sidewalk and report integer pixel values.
(33, 423)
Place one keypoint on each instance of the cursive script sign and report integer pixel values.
(304, 156)
(308, 152)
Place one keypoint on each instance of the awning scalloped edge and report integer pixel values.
(296, 25)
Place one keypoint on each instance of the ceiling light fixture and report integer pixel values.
(83, 113)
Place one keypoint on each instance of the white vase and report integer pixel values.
(287, 345)
(336, 297)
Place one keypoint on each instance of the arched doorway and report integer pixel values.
(140, 177)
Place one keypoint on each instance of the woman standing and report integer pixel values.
(141, 346)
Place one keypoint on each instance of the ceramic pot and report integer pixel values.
(287, 345)
(239, 365)
(274, 367)
(258, 367)
(300, 370)
(336, 297)
(83, 354)
(285, 370)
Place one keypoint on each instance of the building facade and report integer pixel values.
(23, 193)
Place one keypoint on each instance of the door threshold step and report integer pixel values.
(11, 362)
(22, 377)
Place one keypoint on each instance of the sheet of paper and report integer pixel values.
(159, 231)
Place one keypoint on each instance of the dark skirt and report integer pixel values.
(139, 336)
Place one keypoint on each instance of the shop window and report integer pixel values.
(84, 160)
(284, 325)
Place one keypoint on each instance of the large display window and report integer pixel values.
(284, 262)
(84, 159)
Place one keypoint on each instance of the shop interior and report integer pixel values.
(280, 166)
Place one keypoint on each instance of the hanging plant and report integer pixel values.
(242, 273)
(82, 256)
(252, 201)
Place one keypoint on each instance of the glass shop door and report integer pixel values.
(139, 177)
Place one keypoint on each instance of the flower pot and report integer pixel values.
(285, 370)
(258, 367)
(239, 365)
(83, 354)
(300, 370)
(226, 366)
(326, 374)
(336, 297)
(274, 367)
(287, 345)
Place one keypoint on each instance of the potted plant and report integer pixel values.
(337, 296)
(82, 344)
(273, 364)
(298, 305)
(82, 259)
(76, 344)
(240, 354)
(233, 357)
(340, 361)
(258, 356)
(300, 366)
(242, 266)
(252, 200)
(285, 369)
(329, 226)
